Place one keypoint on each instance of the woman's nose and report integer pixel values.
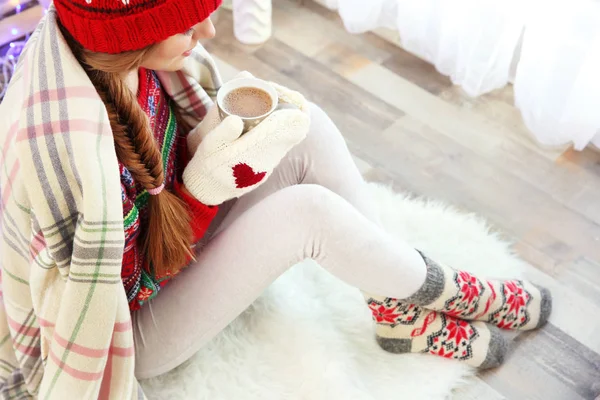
(204, 30)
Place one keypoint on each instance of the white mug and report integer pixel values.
(250, 122)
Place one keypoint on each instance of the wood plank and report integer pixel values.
(340, 59)
(537, 257)
(583, 275)
(418, 71)
(292, 19)
(465, 127)
(547, 365)
(588, 159)
(238, 56)
(462, 124)
(437, 166)
(570, 182)
(499, 105)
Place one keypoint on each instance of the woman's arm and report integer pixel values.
(201, 215)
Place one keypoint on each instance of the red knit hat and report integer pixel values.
(115, 26)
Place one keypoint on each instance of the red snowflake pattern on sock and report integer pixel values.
(466, 300)
(393, 313)
(453, 340)
(513, 313)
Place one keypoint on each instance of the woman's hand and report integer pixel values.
(226, 165)
(212, 119)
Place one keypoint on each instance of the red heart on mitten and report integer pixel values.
(245, 176)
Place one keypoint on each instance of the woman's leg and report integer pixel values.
(321, 159)
(288, 226)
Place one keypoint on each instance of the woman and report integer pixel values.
(116, 164)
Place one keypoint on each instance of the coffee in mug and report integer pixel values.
(251, 99)
(247, 102)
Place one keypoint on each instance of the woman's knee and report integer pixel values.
(316, 112)
(323, 131)
(318, 117)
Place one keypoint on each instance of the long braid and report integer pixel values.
(138, 152)
(167, 236)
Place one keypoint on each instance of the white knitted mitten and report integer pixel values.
(212, 119)
(226, 165)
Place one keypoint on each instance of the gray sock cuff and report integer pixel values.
(545, 306)
(432, 287)
(497, 349)
(395, 345)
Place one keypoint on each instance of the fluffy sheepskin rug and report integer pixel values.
(310, 336)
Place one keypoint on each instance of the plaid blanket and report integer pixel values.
(65, 326)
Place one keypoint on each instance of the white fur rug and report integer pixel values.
(310, 336)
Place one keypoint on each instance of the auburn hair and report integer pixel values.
(166, 234)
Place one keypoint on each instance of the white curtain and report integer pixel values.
(557, 86)
(475, 43)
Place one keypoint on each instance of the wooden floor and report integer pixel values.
(407, 125)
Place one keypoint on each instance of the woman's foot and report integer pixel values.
(511, 304)
(407, 328)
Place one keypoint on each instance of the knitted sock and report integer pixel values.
(407, 328)
(511, 304)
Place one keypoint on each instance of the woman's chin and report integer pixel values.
(174, 65)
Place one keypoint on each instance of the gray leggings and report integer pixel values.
(315, 206)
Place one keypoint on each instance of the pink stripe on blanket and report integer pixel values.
(29, 331)
(90, 352)
(79, 349)
(114, 351)
(119, 326)
(44, 323)
(122, 351)
(31, 351)
(123, 326)
(75, 92)
(75, 373)
(37, 245)
(105, 385)
(60, 127)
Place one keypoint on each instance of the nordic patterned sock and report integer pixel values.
(510, 304)
(408, 328)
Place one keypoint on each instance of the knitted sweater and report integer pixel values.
(65, 323)
(140, 281)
